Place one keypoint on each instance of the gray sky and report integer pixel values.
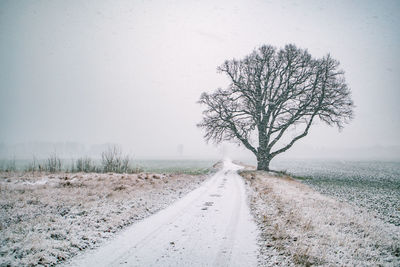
(130, 72)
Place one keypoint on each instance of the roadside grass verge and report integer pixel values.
(300, 226)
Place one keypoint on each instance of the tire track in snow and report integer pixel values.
(225, 252)
(141, 243)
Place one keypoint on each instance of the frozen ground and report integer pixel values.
(299, 226)
(48, 218)
(374, 185)
(211, 226)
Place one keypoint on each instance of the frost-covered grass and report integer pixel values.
(300, 226)
(369, 184)
(193, 167)
(48, 218)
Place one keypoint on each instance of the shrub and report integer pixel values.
(85, 164)
(33, 166)
(53, 163)
(10, 166)
(114, 161)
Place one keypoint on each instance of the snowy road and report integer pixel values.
(211, 226)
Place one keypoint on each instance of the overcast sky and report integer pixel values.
(130, 72)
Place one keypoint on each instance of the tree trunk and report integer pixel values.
(263, 161)
(263, 155)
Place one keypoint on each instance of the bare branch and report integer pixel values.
(272, 90)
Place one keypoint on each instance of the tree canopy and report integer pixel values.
(271, 92)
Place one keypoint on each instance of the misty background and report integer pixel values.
(76, 76)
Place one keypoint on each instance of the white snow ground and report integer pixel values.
(211, 226)
(46, 219)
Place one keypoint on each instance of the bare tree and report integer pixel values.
(272, 93)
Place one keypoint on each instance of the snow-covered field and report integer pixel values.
(48, 218)
(301, 227)
(374, 185)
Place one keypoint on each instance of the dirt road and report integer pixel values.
(211, 226)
